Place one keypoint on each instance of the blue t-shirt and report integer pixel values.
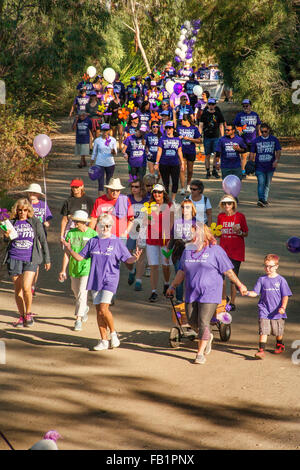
(193, 133)
(230, 158)
(152, 146)
(135, 151)
(181, 110)
(265, 149)
(80, 102)
(169, 146)
(251, 120)
(271, 291)
(83, 127)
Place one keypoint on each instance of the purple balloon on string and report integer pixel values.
(197, 23)
(177, 88)
(232, 185)
(293, 245)
(177, 59)
(195, 32)
(189, 55)
(42, 144)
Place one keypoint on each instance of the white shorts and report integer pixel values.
(155, 256)
(101, 296)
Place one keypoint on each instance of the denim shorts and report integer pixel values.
(210, 145)
(16, 267)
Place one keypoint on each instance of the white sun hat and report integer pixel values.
(114, 183)
(34, 188)
(80, 216)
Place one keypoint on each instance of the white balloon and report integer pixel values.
(184, 31)
(180, 44)
(169, 86)
(184, 47)
(182, 54)
(178, 51)
(187, 23)
(198, 90)
(182, 37)
(109, 75)
(189, 61)
(91, 71)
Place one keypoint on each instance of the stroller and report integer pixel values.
(221, 321)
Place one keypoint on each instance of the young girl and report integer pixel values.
(274, 295)
(42, 212)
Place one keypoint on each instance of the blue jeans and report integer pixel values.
(263, 184)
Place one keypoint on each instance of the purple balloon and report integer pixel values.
(232, 185)
(293, 245)
(42, 144)
(94, 173)
(177, 59)
(189, 55)
(197, 23)
(177, 88)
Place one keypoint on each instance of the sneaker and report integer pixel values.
(200, 359)
(244, 176)
(153, 297)
(101, 345)
(182, 192)
(147, 271)
(33, 291)
(78, 325)
(114, 341)
(266, 204)
(232, 307)
(260, 354)
(29, 320)
(215, 173)
(208, 346)
(188, 189)
(138, 286)
(131, 278)
(85, 316)
(166, 287)
(260, 203)
(208, 175)
(19, 323)
(279, 348)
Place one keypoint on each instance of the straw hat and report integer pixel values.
(80, 216)
(114, 183)
(34, 188)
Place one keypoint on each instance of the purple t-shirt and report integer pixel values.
(230, 158)
(271, 291)
(251, 120)
(265, 149)
(83, 127)
(182, 229)
(203, 273)
(191, 132)
(106, 255)
(42, 211)
(144, 117)
(152, 145)
(169, 146)
(21, 247)
(135, 151)
(80, 102)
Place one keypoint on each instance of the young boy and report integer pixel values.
(274, 293)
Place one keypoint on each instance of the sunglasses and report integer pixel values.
(194, 189)
(227, 203)
(23, 210)
(159, 192)
(265, 132)
(246, 105)
(155, 127)
(228, 130)
(149, 185)
(136, 187)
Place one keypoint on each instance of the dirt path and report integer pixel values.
(145, 395)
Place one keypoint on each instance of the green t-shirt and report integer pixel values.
(78, 241)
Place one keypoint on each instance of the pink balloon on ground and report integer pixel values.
(42, 144)
(232, 185)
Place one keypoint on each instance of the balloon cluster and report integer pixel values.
(187, 40)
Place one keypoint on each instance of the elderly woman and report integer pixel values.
(232, 240)
(106, 253)
(77, 201)
(117, 205)
(104, 150)
(202, 266)
(23, 256)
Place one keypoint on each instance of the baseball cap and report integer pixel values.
(133, 115)
(164, 113)
(158, 187)
(169, 124)
(76, 182)
(143, 128)
(246, 101)
(153, 82)
(109, 86)
(132, 78)
(211, 101)
(105, 126)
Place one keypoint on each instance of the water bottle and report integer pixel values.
(7, 225)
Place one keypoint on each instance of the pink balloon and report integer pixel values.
(42, 145)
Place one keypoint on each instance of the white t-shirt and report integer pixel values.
(102, 152)
(201, 208)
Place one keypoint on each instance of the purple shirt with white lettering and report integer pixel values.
(271, 291)
(251, 120)
(106, 255)
(230, 158)
(265, 149)
(203, 273)
(169, 146)
(135, 151)
(191, 132)
(42, 211)
(21, 247)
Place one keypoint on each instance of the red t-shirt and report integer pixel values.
(233, 244)
(120, 209)
(159, 227)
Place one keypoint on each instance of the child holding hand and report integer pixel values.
(274, 293)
